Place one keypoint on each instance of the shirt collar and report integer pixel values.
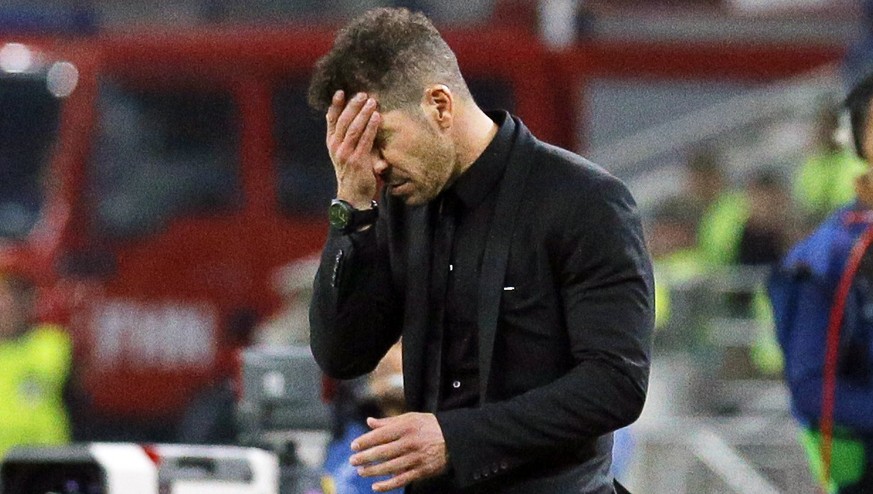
(485, 173)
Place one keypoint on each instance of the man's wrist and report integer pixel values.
(358, 201)
(346, 218)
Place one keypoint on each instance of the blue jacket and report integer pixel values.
(802, 291)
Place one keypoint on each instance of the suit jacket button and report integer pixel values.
(485, 473)
(476, 476)
(503, 465)
(494, 468)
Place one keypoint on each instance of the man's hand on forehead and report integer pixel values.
(351, 130)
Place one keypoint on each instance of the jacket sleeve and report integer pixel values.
(805, 353)
(354, 314)
(606, 291)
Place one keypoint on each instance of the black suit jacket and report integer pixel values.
(565, 320)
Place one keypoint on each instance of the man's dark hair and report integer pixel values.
(393, 53)
(858, 105)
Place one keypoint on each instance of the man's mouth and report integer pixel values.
(399, 186)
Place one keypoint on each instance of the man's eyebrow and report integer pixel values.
(382, 135)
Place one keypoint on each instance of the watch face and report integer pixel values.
(339, 215)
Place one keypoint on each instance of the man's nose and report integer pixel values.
(380, 166)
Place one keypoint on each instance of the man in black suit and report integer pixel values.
(515, 272)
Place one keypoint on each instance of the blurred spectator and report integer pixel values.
(822, 302)
(766, 231)
(290, 325)
(766, 235)
(825, 180)
(673, 245)
(723, 211)
(671, 230)
(35, 362)
(378, 395)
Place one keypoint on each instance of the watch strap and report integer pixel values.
(357, 218)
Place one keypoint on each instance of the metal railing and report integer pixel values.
(714, 423)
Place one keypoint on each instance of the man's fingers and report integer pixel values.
(333, 112)
(347, 148)
(351, 110)
(382, 452)
(375, 423)
(359, 124)
(365, 143)
(376, 437)
(398, 481)
(410, 446)
(392, 466)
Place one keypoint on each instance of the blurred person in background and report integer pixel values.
(677, 261)
(825, 181)
(828, 271)
(722, 209)
(515, 271)
(378, 395)
(290, 325)
(769, 225)
(35, 364)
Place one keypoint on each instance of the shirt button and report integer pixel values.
(456, 384)
(451, 267)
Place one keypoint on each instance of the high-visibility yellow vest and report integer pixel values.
(721, 228)
(826, 181)
(33, 371)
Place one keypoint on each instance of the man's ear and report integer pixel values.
(438, 105)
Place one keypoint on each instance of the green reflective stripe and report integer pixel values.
(721, 228)
(848, 458)
(765, 352)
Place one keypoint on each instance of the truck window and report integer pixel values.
(28, 130)
(162, 153)
(306, 178)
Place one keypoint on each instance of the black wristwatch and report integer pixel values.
(345, 218)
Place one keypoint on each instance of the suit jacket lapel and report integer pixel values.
(496, 255)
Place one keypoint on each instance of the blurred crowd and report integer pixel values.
(718, 226)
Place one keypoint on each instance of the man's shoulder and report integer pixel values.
(568, 175)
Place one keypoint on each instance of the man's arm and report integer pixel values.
(354, 315)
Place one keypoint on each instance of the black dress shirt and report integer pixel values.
(469, 204)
